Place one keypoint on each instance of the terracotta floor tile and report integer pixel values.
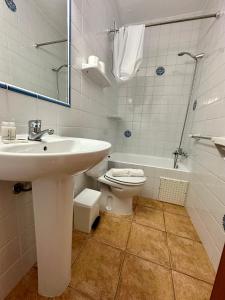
(78, 242)
(150, 217)
(181, 226)
(124, 217)
(149, 202)
(27, 289)
(187, 288)
(29, 283)
(113, 231)
(96, 271)
(189, 257)
(71, 294)
(96, 265)
(143, 280)
(175, 209)
(149, 243)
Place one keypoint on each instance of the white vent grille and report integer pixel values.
(173, 190)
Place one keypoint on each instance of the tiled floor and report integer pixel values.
(153, 255)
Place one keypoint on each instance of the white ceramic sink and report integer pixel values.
(54, 155)
(50, 165)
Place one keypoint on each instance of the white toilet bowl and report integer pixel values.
(117, 192)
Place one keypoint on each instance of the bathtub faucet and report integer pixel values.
(179, 152)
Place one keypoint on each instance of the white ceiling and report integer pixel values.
(136, 11)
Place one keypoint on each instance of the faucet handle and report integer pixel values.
(34, 126)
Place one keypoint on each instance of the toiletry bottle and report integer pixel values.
(12, 131)
(8, 132)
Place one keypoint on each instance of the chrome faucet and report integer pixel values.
(178, 152)
(35, 133)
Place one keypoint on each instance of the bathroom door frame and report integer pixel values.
(218, 292)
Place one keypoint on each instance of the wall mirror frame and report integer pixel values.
(41, 96)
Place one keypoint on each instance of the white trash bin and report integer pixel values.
(86, 209)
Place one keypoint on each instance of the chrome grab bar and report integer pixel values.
(49, 43)
(200, 137)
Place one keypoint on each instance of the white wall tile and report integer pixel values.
(158, 103)
(205, 200)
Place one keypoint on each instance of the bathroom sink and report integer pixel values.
(54, 155)
(49, 165)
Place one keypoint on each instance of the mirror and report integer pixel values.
(35, 48)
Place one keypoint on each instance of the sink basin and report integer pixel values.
(49, 165)
(54, 155)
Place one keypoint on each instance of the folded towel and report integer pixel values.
(127, 172)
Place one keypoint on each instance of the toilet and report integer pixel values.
(117, 192)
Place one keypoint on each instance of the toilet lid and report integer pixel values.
(125, 180)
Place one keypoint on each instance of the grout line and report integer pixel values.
(193, 277)
(81, 250)
(170, 255)
(170, 259)
(144, 205)
(108, 243)
(183, 237)
(122, 263)
(170, 213)
(149, 260)
(174, 290)
(149, 226)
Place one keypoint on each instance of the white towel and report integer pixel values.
(128, 51)
(127, 172)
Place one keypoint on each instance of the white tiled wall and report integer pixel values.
(153, 107)
(86, 118)
(17, 242)
(18, 56)
(206, 197)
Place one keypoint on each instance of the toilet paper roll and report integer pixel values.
(93, 60)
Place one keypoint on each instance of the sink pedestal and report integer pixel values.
(53, 214)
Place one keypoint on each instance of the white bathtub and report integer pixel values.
(145, 161)
(154, 168)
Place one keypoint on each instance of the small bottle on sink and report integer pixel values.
(8, 132)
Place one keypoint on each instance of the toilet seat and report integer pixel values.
(129, 181)
(118, 193)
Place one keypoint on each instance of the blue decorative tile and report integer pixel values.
(160, 71)
(127, 133)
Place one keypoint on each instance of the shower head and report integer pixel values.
(195, 57)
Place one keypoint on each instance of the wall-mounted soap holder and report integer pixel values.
(95, 74)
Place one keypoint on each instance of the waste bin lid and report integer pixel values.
(87, 197)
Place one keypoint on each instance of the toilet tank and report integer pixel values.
(99, 169)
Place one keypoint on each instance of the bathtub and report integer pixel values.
(154, 168)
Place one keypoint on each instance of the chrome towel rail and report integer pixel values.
(200, 137)
(49, 43)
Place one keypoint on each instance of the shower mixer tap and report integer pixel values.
(180, 152)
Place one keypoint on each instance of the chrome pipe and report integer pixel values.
(200, 17)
